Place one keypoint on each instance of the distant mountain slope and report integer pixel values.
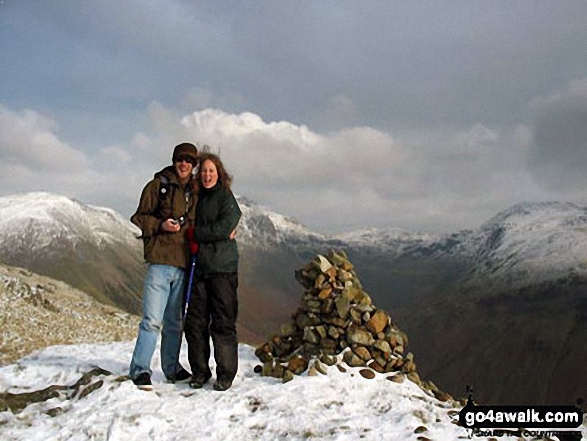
(530, 243)
(93, 249)
(514, 346)
(512, 322)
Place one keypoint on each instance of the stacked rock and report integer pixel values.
(336, 316)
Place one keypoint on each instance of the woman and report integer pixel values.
(213, 305)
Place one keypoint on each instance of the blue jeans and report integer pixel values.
(162, 303)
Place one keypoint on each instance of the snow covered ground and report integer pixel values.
(342, 406)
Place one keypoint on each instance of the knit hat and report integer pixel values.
(185, 149)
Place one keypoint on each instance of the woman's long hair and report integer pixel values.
(224, 178)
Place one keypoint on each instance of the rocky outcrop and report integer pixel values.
(37, 311)
(82, 388)
(337, 323)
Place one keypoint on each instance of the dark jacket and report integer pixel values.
(162, 247)
(217, 215)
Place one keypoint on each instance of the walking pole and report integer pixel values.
(194, 247)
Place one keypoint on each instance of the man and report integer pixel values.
(166, 209)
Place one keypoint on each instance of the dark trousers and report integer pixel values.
(212, 311)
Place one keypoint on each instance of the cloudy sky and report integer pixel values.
(430, 116)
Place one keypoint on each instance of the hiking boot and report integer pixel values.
(198, 382)
(222, 385)
(181, 376)
(143, 381)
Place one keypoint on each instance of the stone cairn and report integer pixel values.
(337, 322)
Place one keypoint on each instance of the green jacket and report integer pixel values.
(217, 215)
(162, 247)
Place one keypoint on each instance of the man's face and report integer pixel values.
(184, 165)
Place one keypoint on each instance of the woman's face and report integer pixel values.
(209, 174)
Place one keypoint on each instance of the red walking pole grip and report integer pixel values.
(194, 246)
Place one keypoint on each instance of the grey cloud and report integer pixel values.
(558, 154)
(407, 66)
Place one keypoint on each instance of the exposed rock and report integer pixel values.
(310, 336)
(428, 384)
(376, 367)
(323, 263)
(302, 320)
(362, 352)
(333, 332)
(287, 376)
(378, 322)
(297, 365)
(383, 346)
(414, 378)
(397, 378)
(278, 371)
(367, 373)
(441, 396)
(83, 387)
(321, 330)
(355, 315)
(409, 367)
(325, 293)
(359, 336)
(320, 367)
(328, 360)
(352, 360)
(31, 305)
(381, 361)
(329, 345)
(267, 369)
(342, 306)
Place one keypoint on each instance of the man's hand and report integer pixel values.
(171, 226)
(233, 234)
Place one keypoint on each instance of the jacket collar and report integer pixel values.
(171, 175)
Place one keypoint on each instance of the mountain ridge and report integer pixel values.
(528, 263)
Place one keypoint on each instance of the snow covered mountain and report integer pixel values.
(527, 242)
(531, 243)
(262, 228)
(93, 249)
(391, 240)
(43, 222)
